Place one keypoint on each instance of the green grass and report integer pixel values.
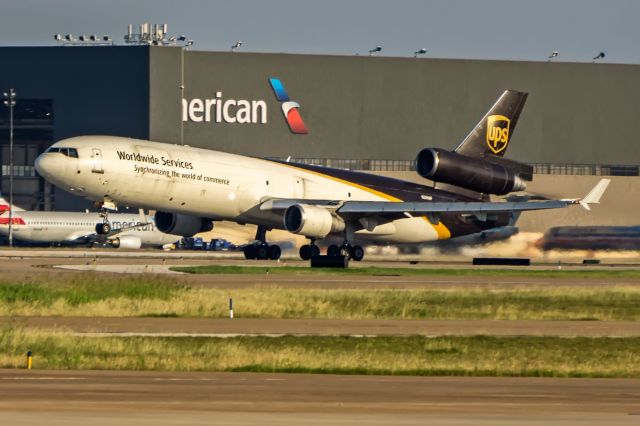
(414, 355)
(374, 270)
(87, 289)
(143, 295)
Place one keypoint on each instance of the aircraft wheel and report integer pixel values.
(333, 250)
(305, 252)
(315, 250)
(250, 252)
(103, 228)
(262, 251)
(357, 253)
(274, 252)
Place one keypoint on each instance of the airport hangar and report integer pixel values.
(365, 113)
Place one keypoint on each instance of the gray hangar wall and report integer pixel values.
(87, 90)
(389, 108)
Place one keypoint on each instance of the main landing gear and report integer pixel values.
(310, 250)
(261, 250)
(352, 252)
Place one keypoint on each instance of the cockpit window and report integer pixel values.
(69, 152)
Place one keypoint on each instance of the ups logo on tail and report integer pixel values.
(497, 133)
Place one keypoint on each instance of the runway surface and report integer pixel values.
(163, 398)
(123, 397)
(32, 268)
(224, 327)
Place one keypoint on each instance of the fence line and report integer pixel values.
(409, 165)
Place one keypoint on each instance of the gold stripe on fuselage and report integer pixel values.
(442, 231)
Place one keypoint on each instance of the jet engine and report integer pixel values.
(181, 224)
(480, 175)
(311, 221)
(126, 242)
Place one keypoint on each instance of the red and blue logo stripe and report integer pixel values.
(290, 109)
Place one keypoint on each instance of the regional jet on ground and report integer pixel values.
(191, 187)
(77, 228)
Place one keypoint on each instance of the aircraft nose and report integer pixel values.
(50, 166)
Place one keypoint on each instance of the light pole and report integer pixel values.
(187, 43)
(10, 102)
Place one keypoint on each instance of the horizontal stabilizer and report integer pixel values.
(593, 197)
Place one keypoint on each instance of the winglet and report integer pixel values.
(593, 197)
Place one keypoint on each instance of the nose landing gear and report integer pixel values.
(261, 250)
(105, 228)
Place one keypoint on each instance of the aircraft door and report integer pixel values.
(96, 160)
(298, 187)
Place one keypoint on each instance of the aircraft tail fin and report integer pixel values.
(4, 206)
(492, 134)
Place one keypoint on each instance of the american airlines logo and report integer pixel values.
(289, 108)
(243, 111)
(221, 110)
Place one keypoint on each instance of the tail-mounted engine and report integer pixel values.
(487, 175)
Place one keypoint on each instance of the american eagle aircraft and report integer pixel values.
(190, 188)
(127, 231)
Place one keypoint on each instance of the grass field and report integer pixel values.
(145, 295)
(473, 356)
(374, 270)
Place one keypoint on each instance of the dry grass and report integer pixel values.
(477, 356)
(158, 298)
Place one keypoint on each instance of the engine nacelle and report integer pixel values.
(126, 242)
(181, 224)
(311, 221)
(470, 173)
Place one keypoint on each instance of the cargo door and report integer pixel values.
(298, 187)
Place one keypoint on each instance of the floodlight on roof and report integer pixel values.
(419, 52)
(375, 50)
(236, 45)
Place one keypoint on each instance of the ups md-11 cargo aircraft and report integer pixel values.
(127, 231)
(190, 188)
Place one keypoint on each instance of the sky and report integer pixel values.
(466, 29)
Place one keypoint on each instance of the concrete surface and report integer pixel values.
(128, 398)
(225, 327)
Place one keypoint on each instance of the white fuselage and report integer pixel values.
(76, 227)
(209, 184)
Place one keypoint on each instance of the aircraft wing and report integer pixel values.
(285, 203)
(477, 208)
(426, 207)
